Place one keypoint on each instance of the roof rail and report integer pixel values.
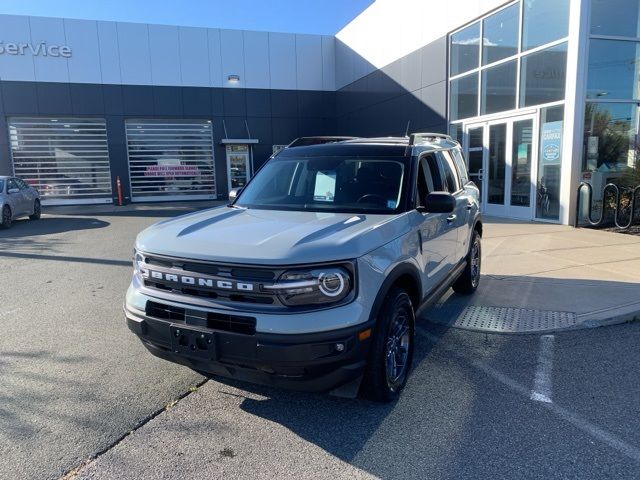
(416, 138)
(304, 141)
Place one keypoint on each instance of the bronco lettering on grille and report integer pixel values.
(201, 281)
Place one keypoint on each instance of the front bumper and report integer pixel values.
(308, 362)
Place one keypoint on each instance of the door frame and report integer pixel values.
(249, 166)
(506, 209)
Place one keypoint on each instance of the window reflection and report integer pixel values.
(500, 37)
(609, 137)
(499, 88)
(613, 69)
(465, 49)
(543, 76)
(464, 97)
(544, 21)
(615, 17)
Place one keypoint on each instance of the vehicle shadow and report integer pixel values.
(340, 426)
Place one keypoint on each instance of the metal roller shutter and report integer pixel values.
(66, 159)
(170, 160)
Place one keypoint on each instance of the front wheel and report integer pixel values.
(36, 211)
(5, 220)
(392, 348)
(468, 282)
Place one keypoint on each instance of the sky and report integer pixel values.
(325, 17)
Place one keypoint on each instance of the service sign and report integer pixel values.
(41, 49)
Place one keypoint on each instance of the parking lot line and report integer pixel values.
(542, 384)
(586, 426)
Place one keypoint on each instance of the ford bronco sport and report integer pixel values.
(312, 276)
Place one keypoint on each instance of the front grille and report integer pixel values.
(212, 320)
(254, 276)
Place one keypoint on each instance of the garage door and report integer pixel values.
(66, 159)
(170, 160)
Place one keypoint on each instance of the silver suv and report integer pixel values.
(17, 199)
(312, 276)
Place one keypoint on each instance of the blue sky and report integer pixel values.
(299, 16)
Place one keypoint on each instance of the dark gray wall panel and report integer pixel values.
(87, 99)
(113, 99)
(284, 103)
(53, 98)
(235, 102)
(196, 101)
(137, 100)
(19, 98)
(167, 101)
(284, 130)
(258, 103)
(217, 102)
(260, 128)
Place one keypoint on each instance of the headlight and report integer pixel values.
(315, 286)
(138, 262)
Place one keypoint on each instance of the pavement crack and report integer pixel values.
(73, 473)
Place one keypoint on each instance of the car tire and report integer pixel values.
(468, 282)
(36, 211)
(391, 351)
(5, 220)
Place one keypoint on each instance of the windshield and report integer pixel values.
(333, 184)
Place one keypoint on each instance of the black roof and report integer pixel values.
(357, 148)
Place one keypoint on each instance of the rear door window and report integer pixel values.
(449, 172)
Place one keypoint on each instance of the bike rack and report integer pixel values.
(616, 190)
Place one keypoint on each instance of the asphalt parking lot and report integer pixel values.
(77, 385)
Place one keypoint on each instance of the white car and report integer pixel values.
(17, 199)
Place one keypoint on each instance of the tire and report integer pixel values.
(468, 282)
(36, 211)
(5, 219)
(395, 329)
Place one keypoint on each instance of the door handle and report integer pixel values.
(469, 206)
(451, 218)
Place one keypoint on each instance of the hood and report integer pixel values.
(270, 237)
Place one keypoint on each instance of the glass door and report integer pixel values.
(238, 165)
(500, 155)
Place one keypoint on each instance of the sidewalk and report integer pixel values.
(542, 277)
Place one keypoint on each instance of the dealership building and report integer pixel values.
(542, 94)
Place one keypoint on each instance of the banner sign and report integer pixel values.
(551, 142)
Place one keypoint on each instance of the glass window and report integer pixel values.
(543, 76)
(455, 131)
(449, 172)
(544, 21)
(64, 158)
(499, 88)
(549, 163)
(615, 17)
(500, 37)
(464, 97)
(1, 185)
(328, 184)
(613, 69)
(465, 49)
(497, 163)
(428, 179)
(12, 185)
(521, 153)
(462, 166)
(609, 136)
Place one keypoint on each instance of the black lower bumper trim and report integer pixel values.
(314, 362)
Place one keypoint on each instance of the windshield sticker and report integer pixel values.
(391, 204)
(325, 189)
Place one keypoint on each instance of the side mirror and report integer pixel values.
(440, 202)
(233, 194)
(13, 190)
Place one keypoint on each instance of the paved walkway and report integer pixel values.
(540, 277)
